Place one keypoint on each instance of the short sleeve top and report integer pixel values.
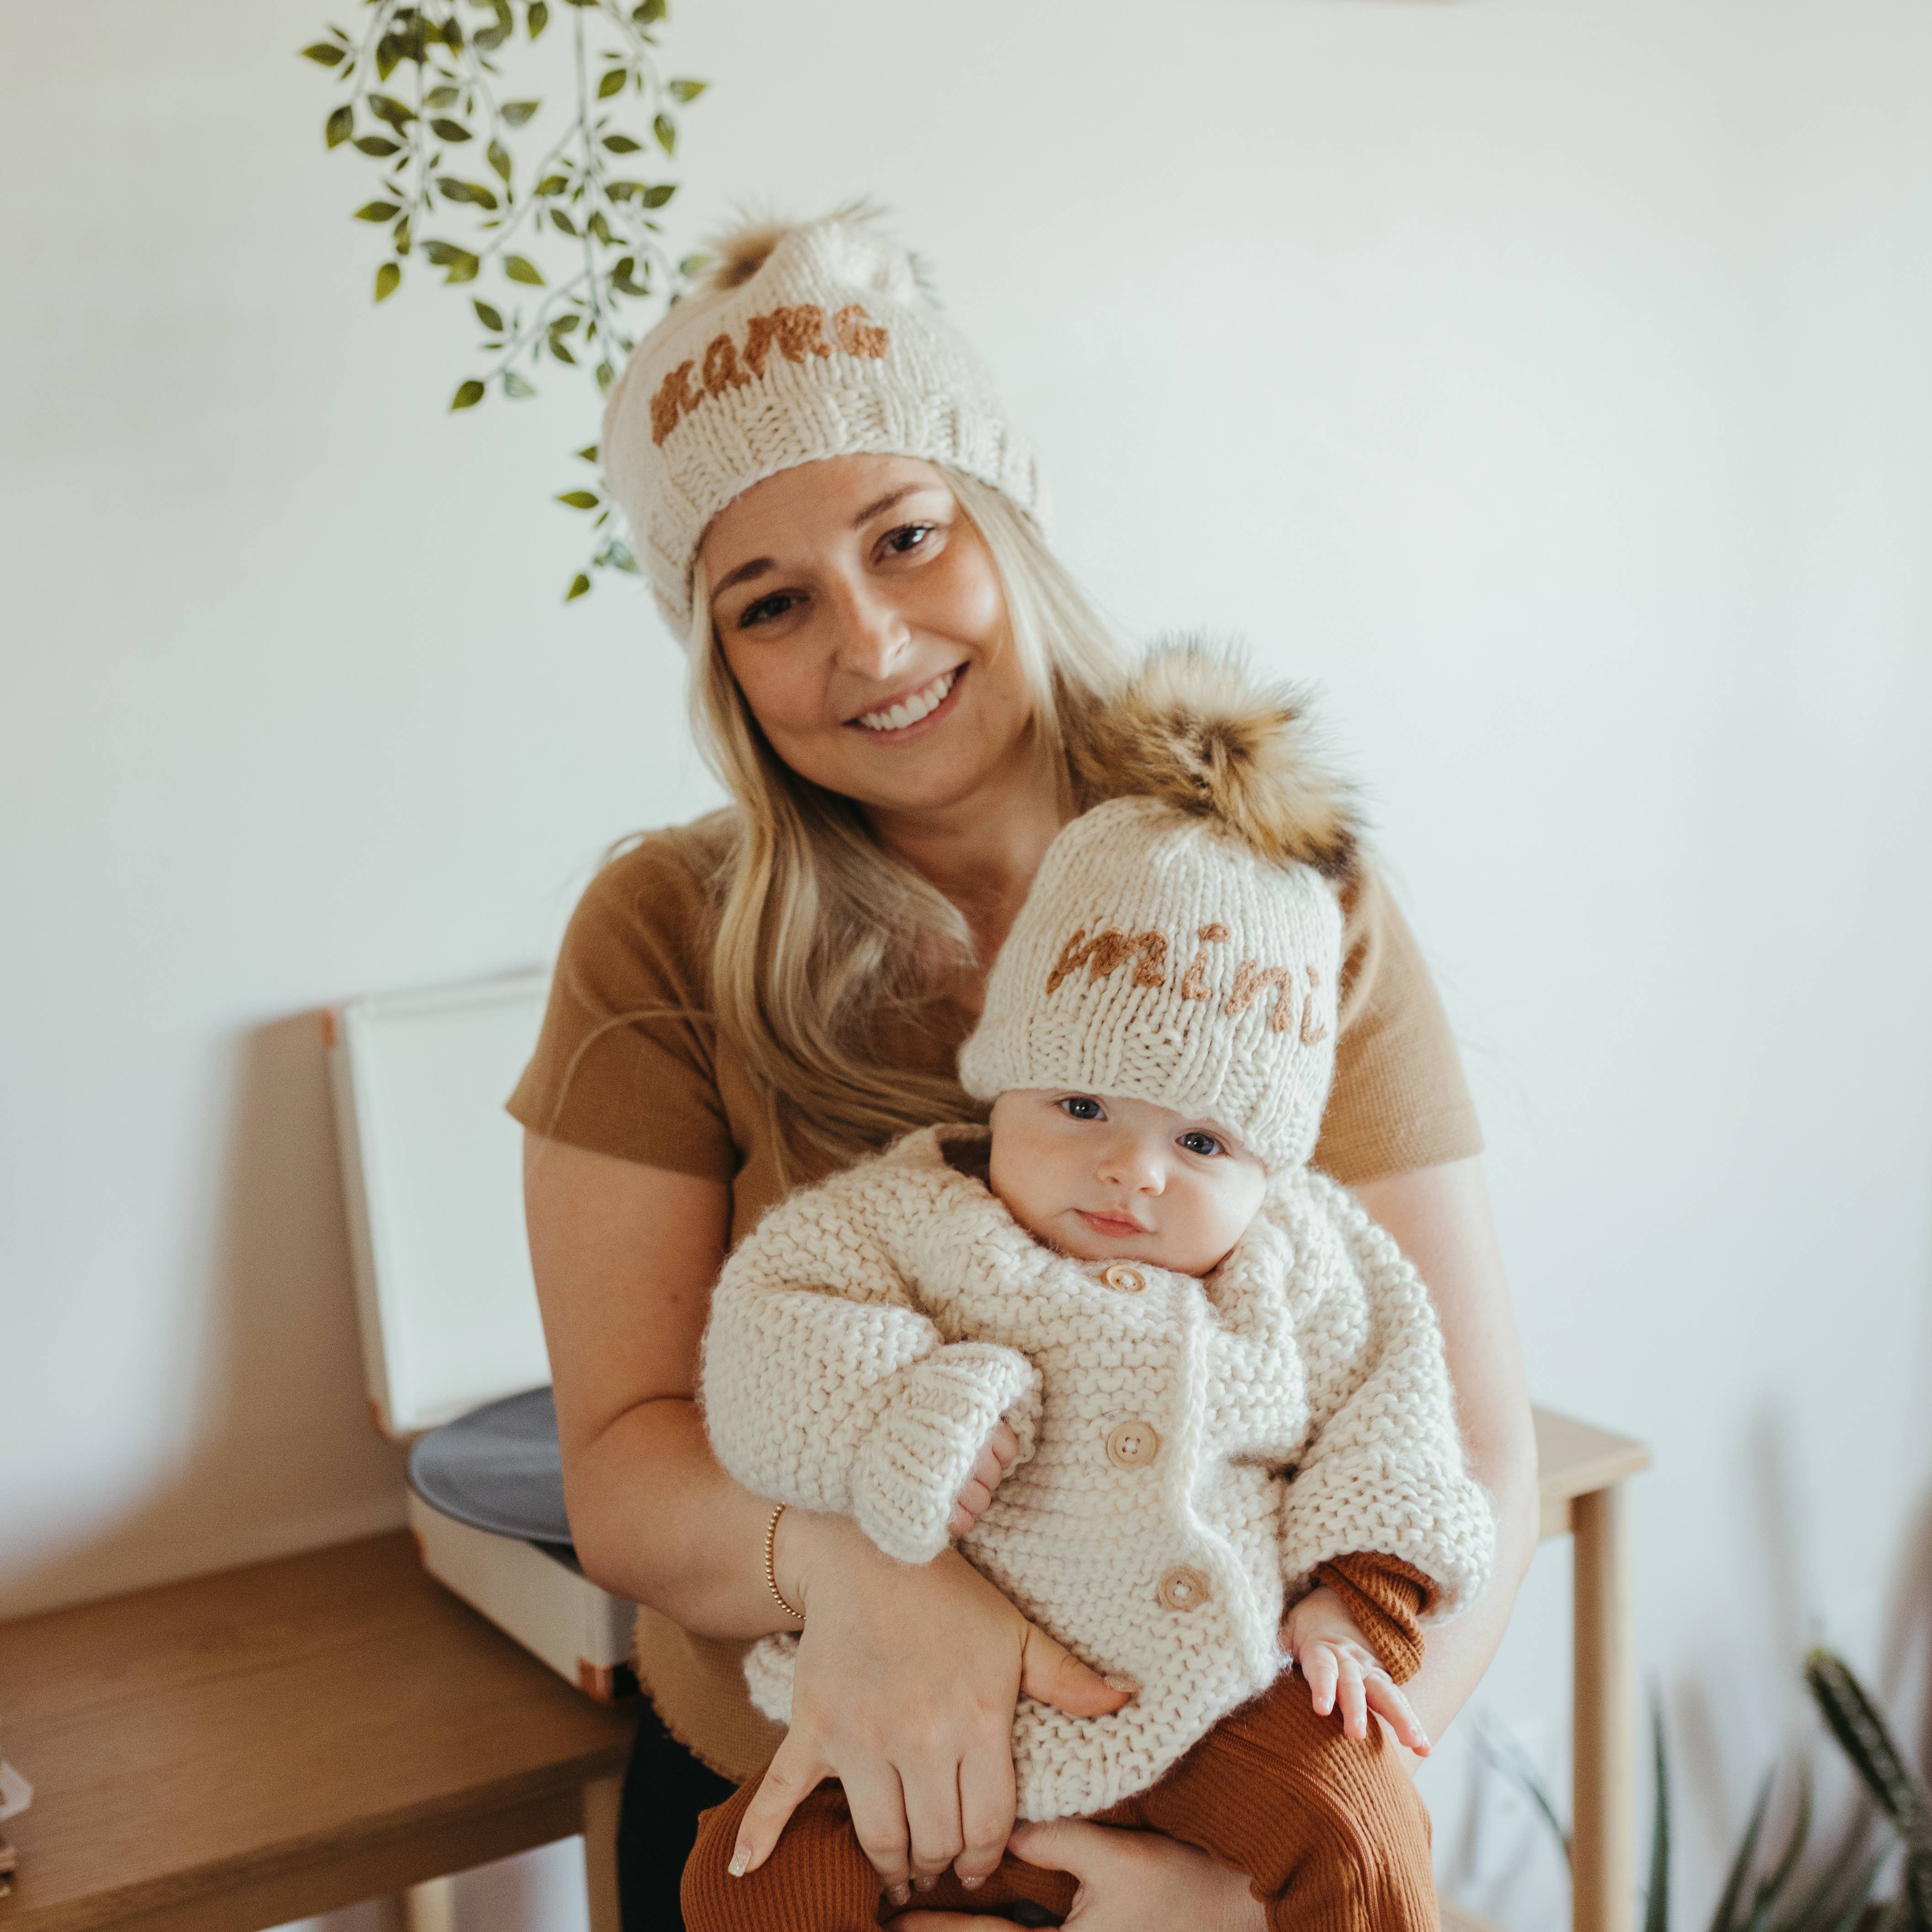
(629, 1063)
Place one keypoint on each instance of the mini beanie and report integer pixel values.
(804, 342)
(1183, 946)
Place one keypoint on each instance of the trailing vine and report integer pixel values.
(577, 241)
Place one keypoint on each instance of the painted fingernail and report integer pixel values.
(973, 1884)
(898, 1894)
(740, 1858)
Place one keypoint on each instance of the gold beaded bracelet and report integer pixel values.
(771, 1567)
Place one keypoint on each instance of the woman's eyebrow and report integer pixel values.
(886, 501)
(757, 567)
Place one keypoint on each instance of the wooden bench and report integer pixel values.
(227, 1753)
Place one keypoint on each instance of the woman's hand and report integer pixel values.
(1328, 1646)
(976, 1492)
(1129, 1882)
(906, 1682)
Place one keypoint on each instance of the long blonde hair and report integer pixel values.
(819, 929)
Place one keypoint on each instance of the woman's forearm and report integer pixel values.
(658, 1521)
(1457, 1653)
(1440, 1218)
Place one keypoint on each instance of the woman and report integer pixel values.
(889, 670)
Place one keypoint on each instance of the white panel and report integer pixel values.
(448, 1265)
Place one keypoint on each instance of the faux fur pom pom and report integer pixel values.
(1192, 726)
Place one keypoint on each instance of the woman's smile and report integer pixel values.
(897, 721)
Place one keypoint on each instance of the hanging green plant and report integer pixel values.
(571, 233)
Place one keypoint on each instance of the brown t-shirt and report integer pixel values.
(629, 1063)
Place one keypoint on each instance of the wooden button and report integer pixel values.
(1129, 1281)
(1184, 1589)
(1133, 1445)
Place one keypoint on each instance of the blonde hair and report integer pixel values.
(819, 929)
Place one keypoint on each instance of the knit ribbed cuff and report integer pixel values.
(937, 1416)
(1388, 1598)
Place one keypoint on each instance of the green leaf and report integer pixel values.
(599, 227)
(1724, 1918)
(386, 107)
(1863, 1735)
(579, 584)
(475, 192)
(665, 128)
(561, 222)
(588, 452)
(612, 82)
(561, 354)
(499, 158)
(516, 113)
(647, 11)
(580, 499)
(452, 33)
(489, 39)
(376, 211)
(468, 396)
(539, 17)
(464, 269)
(656, 197)
(514, 385)
(564, 324)
(323, 53)
(401, 235)
(375, 144)
(1656, 1910)
(450, 130)
(621, 144)
(552, 185)
(442, 96)
(694, 265)
(340, 125)
(606, 375)
(489, 317)
(689, 90)
(388, 278)
(389, 51)
(519, 269)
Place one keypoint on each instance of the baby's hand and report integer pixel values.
(976, 1492)
(1327, 1645)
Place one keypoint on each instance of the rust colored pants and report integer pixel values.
(1327, 1828)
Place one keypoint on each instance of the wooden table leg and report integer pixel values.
(1603, 1799)
(600, 1851)
(430, 1907)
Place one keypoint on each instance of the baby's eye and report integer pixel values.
(1083, 1107)
(1200, 1143)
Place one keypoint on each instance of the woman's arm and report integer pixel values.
(907, 1676)
(1440, 1218)
(625, 1256)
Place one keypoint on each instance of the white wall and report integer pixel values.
(1545, 377)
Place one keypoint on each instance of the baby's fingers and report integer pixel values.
(1318, 1663)
(788, 1780)
(1351, 1697)
(1389, 1704)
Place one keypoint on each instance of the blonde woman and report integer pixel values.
(891, 675)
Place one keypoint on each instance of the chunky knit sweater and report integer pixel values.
(1190, 1450)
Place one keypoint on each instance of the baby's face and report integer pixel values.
(1104, 1179)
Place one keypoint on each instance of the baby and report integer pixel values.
(1168, 1387)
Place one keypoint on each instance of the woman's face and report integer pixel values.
(859, 609)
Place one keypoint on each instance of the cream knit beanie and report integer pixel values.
(1183, 947)
(803, 342)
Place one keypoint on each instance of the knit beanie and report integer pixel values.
(1182, 945)
(803, 342)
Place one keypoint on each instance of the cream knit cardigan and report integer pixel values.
(1190, 1451)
